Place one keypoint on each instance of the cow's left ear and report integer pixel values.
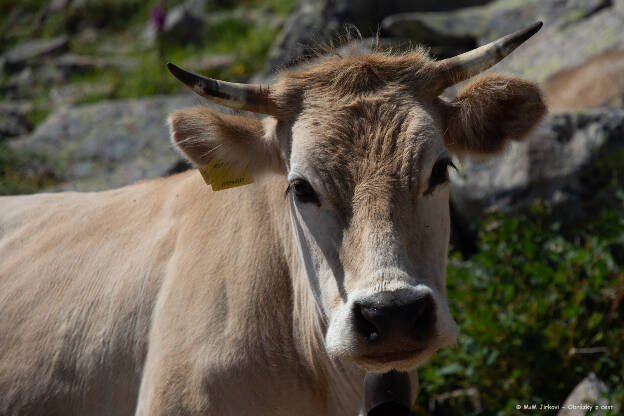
(489, 112)
(203, 135)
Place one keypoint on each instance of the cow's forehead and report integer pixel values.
(365, 143)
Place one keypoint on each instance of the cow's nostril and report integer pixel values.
(422, 314)
(364, 323)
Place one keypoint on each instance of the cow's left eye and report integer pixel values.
(439, 174)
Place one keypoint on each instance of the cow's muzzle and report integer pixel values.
(400, 316)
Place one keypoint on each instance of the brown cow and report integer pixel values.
(276, 298)
(597, 82)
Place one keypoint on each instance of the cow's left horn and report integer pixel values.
(461, 67)
(255, 98)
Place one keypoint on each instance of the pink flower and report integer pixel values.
(159, 16)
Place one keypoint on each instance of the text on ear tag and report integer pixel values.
(222, 176)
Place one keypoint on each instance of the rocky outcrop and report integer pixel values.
(564, 46)
(14, 118)
(184, 25)
(482, 24)
(23, 54)
(317, 22)
(210, 62)
(571, 161)
(106, 145)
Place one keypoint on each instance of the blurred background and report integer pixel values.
(535, 277)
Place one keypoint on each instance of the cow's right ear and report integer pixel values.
(489, 112)
(203, 135)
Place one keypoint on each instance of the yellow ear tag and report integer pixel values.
(221, 176)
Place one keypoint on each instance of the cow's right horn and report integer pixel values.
(463, 66)
(255, 98)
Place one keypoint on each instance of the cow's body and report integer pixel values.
(103, 294)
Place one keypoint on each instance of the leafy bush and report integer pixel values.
(537, 311)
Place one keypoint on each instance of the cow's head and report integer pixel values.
(365, 145)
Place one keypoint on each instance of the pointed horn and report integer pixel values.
(464, 66)
(255, 98)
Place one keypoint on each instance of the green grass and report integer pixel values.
(250, 44)
(151, 76)
(19, 173)
(278, 6)
(525, 303)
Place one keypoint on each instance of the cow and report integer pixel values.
(316, 290)
(596, 82)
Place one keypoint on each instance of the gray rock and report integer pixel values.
(367, 14)
(57, 6)
(24, 53)
(22, 78)
(444, 32)
(308, 27)
(71, 62)
(108, 144)
(184, 25)
(50, 74)
(469, 27)
(70, 94)
(316, 22)
(569, 161)
(561, 46)
(210, 62)
(14, 118)
(88, 35)
(588, 392)
(20, 85)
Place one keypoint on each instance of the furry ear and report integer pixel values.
(203, 135)
(490, 111)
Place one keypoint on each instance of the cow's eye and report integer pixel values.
(439, 174)
(303, 191)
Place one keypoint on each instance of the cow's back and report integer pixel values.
(79, 274)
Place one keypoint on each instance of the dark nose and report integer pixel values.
(395, 315)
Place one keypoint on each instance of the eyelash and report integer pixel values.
(439, 174)
(303, 191)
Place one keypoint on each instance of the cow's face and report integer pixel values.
(369, 196)
(365, 146)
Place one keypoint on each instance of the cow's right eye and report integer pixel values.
(303, 191)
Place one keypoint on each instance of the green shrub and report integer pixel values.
(537, 311)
